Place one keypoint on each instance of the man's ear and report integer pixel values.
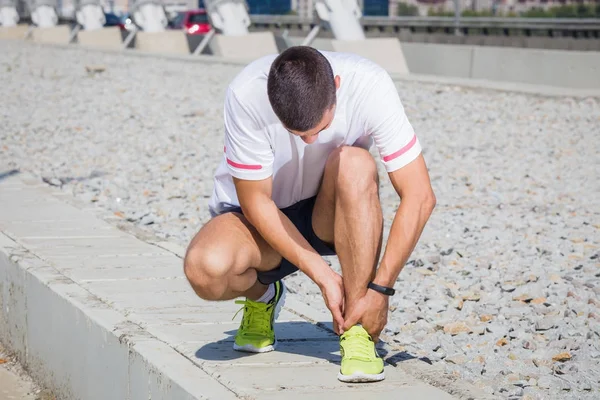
(337, 80)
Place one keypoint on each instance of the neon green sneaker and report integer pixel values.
(360, 361)
(256, 333)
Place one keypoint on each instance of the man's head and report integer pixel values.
(301, 89)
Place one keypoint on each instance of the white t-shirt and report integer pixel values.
(257, 145)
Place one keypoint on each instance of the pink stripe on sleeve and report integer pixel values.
(243, 166)
(402, 150)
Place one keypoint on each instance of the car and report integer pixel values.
(113, 20)
(193, 22)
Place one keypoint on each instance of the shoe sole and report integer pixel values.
(248, 348)
(360, 377)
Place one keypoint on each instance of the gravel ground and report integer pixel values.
(503, 287)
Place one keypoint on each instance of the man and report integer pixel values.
(296, 182)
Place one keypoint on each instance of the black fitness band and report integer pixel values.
(381, 289)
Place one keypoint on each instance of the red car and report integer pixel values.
(193, 22)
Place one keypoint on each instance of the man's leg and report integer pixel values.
(348, 213)
(222, 260)
(222, 263)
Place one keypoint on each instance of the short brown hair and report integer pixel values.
(301, 87)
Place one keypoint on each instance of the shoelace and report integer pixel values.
(257, 318)
(357, 345)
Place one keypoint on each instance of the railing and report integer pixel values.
(505, 26)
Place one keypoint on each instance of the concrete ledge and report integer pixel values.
(94, 313)
(55, 35)
(252, 46)
(14, 32)
(167, 42)
(75, 343)
(106, 38)
(387, 52)
(556, 68)
(573, 69)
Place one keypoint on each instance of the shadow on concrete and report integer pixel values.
(8, 174)
(324, 348)
(396, 358)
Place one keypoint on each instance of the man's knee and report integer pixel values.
(206, 270)
(355, 168)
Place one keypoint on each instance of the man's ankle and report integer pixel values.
(267, 295)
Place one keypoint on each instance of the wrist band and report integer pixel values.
(381, 289)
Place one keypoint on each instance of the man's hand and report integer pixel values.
(332, 289)
(371, 311)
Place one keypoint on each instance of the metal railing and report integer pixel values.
(464, 24)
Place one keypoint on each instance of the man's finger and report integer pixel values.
(338, 319)
(336, 327)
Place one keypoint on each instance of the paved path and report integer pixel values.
(150, 302)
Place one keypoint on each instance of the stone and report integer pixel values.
(458, 304)
(546, 382)
(457, 359)
(529, 345)
(538, 300)
(478, 329)
(545, 323)
(471, 296)
(434, 259)
(516, 391)
(437, 305)
(424, 271)
(497, 329)
(454, 328)
(486, 317)
(507, 287)
(564, 356)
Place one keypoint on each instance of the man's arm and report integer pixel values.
(417, 203)
(276, 228)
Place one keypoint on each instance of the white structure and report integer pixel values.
(8, 13)
(228, 16)
(149, 15)
(343, 17)
(90, 14)
(43, 13)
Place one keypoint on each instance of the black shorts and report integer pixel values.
(301, 216)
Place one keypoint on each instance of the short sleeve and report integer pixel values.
(388, 125)
(247, 149)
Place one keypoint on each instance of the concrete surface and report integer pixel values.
(168, 42)
(13, 387)
(15, 383)
(106, 38)
(95, 313)
(387, 52)
(251, 46)
(56, 35)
